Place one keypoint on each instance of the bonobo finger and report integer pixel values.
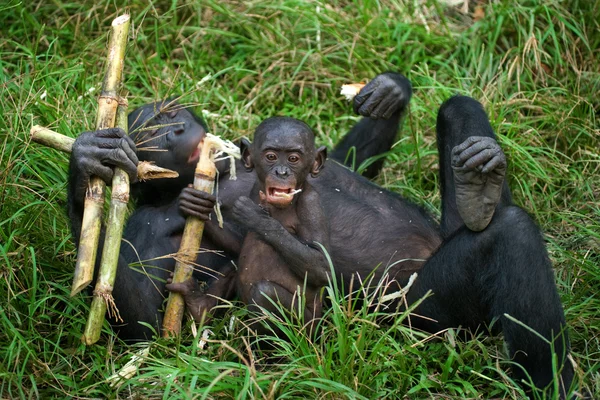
(199, 208)
(94, 168)
(497, 163)
(471, 151)
(193, 212)
(114, 133)
(366, 110)
(180, 288)
(129, 148)
(479, 159)
(364, 95)
(471, 140)
(462, 153)
(196, 203)
(118, 158)
(130, 164)
(386, 107)
(198, 196)
(391, 110)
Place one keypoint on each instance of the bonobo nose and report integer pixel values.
(281, 171)
(179, 128)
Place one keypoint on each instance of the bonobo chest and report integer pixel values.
(259, 261)
(287, 217)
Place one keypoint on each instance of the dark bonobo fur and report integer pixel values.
(486, 259)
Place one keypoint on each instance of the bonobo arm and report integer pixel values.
(479, 167)
(200, 302)
(382, 102)
(227, 238)
(96, 154)
(200, 204)
(300, 253)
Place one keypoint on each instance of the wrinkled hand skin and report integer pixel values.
(195, 203)
(479, 167)
(196, 301)
(97, 153)
(252, 216)
(384, 96)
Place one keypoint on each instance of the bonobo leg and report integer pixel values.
(472, 166)
(479, 277)
(266, 295)
(382, 103)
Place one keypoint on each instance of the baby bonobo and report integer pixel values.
(280, 256)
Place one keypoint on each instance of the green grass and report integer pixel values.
(533, 64)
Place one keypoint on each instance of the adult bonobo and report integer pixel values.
(491, 263)
(153, 231)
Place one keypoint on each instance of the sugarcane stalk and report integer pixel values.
(204, 180)
(49, 138)
(94, 198)
(112, 245)
(146, 170)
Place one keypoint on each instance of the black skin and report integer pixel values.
(477, 273)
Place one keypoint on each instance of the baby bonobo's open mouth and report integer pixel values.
(279, 196)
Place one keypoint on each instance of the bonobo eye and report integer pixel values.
(172, 114)
(293, 158)
(271, 157)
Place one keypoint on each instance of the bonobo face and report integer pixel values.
(166, 125)
(283, 154)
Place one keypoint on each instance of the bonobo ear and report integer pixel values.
(319, 163)
(246, 156)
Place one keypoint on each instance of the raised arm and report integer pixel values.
(382, 103)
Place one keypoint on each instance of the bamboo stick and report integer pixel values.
(204, 180)
(145, 170)
(94, 199)
(112, 245)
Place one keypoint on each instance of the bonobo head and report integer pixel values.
(283, 154)
(169, 133)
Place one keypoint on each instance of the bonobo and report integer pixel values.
(279, 258)
(279, 255)
(168, 134)
(485, 260)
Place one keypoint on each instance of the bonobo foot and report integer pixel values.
(479, 168)
(196, 301)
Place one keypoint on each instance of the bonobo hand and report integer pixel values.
(198, 303)
(249, 214)
(196, 203)
(384, 96)
(97, 153)
(479, 168)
